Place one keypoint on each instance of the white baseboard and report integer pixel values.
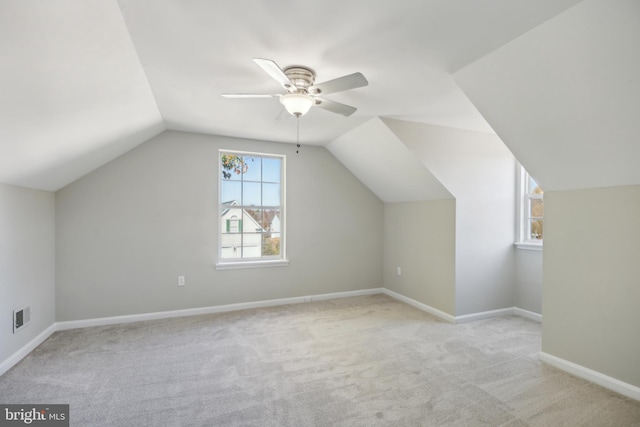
(484, 315)
(528, 314)
(424, 307)
(102, 321)
(26, 349)
(465, 317)
(603, 380)
(346, 294)
(500, 312)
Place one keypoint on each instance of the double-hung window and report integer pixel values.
(531, 208)
(251, 214)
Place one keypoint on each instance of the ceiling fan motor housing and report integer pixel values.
(302, 77)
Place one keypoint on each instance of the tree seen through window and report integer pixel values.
(251, 208)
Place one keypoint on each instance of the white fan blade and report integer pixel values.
(248, 95)
(276, 73)
(351, 81)
(335, 107)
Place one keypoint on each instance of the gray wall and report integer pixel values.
(478, 170)
(564, 98)
(592, 279)
(27, 263)
(528, 292)
(126, 231)
(420, 238)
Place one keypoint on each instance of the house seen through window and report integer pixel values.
(251, 207)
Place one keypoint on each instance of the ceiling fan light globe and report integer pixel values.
(297, 104)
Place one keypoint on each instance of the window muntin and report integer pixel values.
(535, 210)
(531, 210)
(251, 207)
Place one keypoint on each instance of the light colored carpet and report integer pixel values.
(349, 362)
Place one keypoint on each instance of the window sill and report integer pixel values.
(530, 246)
(251, 264)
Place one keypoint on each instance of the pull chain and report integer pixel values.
(297, 134)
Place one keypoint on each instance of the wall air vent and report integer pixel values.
(21, 318)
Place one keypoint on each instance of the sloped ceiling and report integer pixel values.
(391, 171)
(565, 97)
(73, 93)
(465, 162)
(85, 81)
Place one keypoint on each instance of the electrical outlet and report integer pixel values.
(181, 281)
(399, 271)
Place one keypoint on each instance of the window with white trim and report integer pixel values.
(251, 210)
(531, 210)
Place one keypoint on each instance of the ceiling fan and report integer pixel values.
(302, 92)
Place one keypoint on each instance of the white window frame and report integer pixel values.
(281, 260)
(523, 208)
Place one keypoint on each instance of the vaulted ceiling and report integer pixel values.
(82, 82)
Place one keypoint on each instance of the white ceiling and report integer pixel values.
(85, 81)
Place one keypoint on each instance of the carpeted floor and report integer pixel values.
(350, 362)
